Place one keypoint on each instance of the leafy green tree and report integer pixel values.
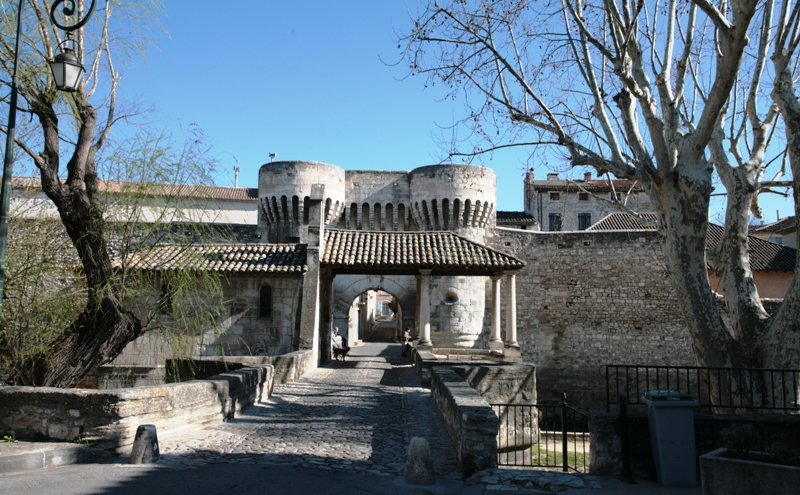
(67, 136)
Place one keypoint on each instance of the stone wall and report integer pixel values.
(288, 367)
(240, 331)
(468, 419)
(591, 298)
(243, 332)
(114, 415)
(511, 387)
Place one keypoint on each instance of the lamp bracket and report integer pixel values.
(69, 10)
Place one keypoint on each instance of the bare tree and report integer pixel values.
(71, 130)
(658, 92)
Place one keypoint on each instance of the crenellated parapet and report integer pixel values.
(453, 197)
(284, 190)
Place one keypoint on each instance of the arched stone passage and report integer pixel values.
(347, 287)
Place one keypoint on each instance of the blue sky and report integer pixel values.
(308, 80)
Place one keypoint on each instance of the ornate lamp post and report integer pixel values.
(68, 74)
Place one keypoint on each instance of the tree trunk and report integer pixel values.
(683, 198)
(96, 337)
(731, 263)
(104, 328)
(779, 346)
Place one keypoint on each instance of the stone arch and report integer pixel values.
(347, 287)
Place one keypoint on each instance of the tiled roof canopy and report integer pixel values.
(348, 251)
(272, 259)
(764, 255)
(514, 217)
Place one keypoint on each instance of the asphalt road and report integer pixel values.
(221, 478)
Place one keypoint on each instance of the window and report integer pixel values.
(583, 196)
(265, 302)
(165, 299)
(617, 196)
(776, 239)
(555, 222)
(584, 221)
(555, 196)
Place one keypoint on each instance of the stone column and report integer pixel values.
(511, 310)
(495, 342)
(417, 312)
(424, 298)
(312, 235)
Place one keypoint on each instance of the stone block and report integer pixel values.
(145, 445)
(419, 464)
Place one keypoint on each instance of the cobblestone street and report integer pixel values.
(357, 415)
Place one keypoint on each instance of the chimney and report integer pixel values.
(587, 176)
(552, 176)
(528, 190)
(235, 176)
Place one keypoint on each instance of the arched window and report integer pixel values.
(265, 302)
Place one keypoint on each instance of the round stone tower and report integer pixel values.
(284, 190)
(454, 197)
(460, 198)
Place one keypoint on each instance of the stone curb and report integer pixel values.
(45, 459)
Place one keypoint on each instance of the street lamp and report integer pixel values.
(67, 69)
(68, 73)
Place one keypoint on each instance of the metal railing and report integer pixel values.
(736, 389)
(543, 435)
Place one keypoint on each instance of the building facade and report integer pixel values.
(567, 291)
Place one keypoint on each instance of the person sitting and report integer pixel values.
(406, 341)
(337, 349)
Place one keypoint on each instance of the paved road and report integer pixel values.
(357, 415)
(341, 429)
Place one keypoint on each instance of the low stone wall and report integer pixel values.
(425, 360)
(605, 449)
(508, 384)
(118, 376)
(288, 367)
(468, 418)
(113, 415)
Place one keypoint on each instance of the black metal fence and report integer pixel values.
(543, 435)
(717, 389)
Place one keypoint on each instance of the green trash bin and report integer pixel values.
(670, 416)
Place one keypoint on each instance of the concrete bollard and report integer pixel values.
(419, 464)
(145, 445)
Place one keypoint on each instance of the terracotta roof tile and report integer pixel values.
(514, 217)
(223, 258)
(781, 225)
(624, 221)
(425, 250)
(593, 185)
(764, 255)
(154, 189)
